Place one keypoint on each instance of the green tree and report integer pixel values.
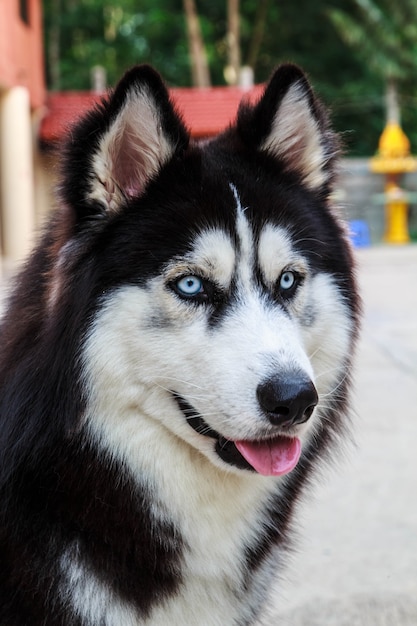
(383, 36)
(81, 34)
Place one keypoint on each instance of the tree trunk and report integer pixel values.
(233, 42)
(257, 33)
(198, 57)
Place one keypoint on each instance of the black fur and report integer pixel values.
(55, 488)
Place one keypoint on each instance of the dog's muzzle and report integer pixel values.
(286, 402)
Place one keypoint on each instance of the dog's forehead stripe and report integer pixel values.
(246, 240)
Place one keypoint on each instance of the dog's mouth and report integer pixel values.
(274, 456)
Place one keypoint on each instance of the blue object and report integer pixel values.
(359, 233)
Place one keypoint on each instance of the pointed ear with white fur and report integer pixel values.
(121, 146)
(290, 124)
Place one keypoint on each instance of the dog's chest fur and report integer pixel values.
(220, 528)
(218, 524)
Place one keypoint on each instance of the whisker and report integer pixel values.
(185, 382)
(326, 372)
(332, 391)
(313, 354)
(189, 396)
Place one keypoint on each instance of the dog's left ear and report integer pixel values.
(118, 148)
(290, 124)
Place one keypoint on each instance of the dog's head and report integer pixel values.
(217, 276)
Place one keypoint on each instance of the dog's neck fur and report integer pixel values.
(220, 519)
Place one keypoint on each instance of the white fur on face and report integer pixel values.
(319, 311)
(275, 253)
(214, 253)
(147, 342)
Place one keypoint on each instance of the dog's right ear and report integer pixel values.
(116, 150)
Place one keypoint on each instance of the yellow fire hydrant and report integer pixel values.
(393, 160)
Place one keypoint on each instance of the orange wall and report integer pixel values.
(21, 49)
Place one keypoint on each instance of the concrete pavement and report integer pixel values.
(356, 561)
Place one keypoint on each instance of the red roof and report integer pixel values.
(206, 111)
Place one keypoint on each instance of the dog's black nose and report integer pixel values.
(287, 399)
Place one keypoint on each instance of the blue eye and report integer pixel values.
(189, 286)
(287, 281)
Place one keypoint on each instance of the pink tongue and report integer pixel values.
(271, 458)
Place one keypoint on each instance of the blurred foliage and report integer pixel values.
(346, 47)
(383, 34)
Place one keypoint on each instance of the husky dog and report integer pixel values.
(175, 359)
